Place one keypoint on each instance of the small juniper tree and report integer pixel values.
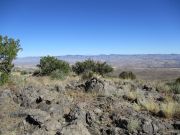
(50, 65)
(103, 68)
(9, 48)
(127, 75)
(178, 80)
(92, 66)
(84, 67)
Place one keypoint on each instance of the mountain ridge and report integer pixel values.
(116, 60)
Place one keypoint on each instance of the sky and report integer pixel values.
(91, 27)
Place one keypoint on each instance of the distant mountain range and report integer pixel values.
(116, 60)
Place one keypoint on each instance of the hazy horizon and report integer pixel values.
(99, 55)
(92, 27)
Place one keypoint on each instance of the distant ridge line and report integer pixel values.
(116, 60)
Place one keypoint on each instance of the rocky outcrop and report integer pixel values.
(105, 111)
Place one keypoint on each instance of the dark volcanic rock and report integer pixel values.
(147, 88)
(94, 84)
(72, 115)
(32, 121)
(88, 119)
(177, 125)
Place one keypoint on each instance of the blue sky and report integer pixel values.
(88, 27)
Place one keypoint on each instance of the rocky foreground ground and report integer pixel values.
(96, 106)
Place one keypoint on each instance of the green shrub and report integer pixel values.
(162, 87)
(8, 52)
(24, 72)
(82, 67)
(127, 75)
(91, 66)
(58, 74)
(36, 73)
(49, 64)
(103, 68)
(178, 80)
(175, 87)
(87, 75)
(4, 78)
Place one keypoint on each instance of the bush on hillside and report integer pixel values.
(103, 68)
(82, 67)
(51, 65)
(58, 74)
(36, 73)
(178, 80)
(127, 75)
(87, 75)
(175, 86)
(24, 72)
(9, 48)
(91, 66)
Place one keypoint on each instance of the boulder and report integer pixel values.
(94, 85)
(147, 87)
(72, 115)
(97, 111)
(52, 125)
(176, 97)
(106, 88)
(31, 97)
(75, 129)
(147, 127)
(120, 122)
(33, 116)
(177, 125)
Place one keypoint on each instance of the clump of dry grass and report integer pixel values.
(19, 82)
(169, 87)
(170, 109)
(149, 105)
(15, 82)
(130, 95)
(162, 87)
(133, 125)
(136, 107)
(80, 96)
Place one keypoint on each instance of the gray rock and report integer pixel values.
(6, 94)
(94, 84)
(94, 130)
(155, 128)
(97, 111)
(52, 125)
(106, 88)
(38, 132)
(147, 87)
(59, 88)
(36, 116)
(176, 97)
(73, 115)
(177, 125)
(89, 119)
(75, 129)
(30, 97)
(121, 123)
(110, 89)
(147, 127)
